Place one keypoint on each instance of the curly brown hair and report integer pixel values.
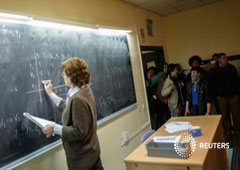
(76, 69)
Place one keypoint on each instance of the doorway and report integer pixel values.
(153, 60)
(152, 56)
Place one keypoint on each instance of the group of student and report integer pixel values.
(213, 89)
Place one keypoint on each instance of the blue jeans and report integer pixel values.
(175, 111)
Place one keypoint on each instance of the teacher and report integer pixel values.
(79, 117)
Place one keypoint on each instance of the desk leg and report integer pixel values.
(217, 158)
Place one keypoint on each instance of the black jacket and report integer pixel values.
(203, 96)
(224, 82)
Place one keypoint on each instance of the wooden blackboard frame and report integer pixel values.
(33, 155)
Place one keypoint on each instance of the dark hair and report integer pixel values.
(194, 58)
(165, 64)
(151, 68)
(215, 55)
(222, 54)
(171, 68)
(77, 70)
(198, 69)
(179, 67)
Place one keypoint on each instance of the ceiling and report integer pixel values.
(166, 7)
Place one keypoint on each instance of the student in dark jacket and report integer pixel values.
(79, 118)
(152, 98)
(196, 61)
(225, 86)
(183, 85)
(198, 101)
(160, 102)
(164, 113)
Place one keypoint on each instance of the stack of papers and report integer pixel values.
(173, 127)
(164, 139)
(38, 121)
(165, 146)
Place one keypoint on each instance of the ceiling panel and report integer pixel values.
(166, 7)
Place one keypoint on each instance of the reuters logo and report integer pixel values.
(184, 145)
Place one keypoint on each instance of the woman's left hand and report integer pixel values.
(48, 130)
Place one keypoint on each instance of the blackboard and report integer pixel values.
(30, 54)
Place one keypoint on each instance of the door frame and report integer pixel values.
(158, 49)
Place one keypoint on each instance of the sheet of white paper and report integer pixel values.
(38, 121)
(171, 124)
(164, 139)
(173, 127)
(176, 129)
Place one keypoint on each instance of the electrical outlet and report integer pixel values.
(139, 108)
(143, 106)
(125, 138)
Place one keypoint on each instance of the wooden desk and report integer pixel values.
(201, 159)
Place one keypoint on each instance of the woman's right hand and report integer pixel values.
(47, 86)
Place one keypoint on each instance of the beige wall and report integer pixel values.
(105, 12)
(203, 31)
(158, 38)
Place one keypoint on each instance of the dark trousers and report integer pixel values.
(216, 105)
(153, 113)
(97, 165)
(159, 114)
(194, 110)
(163, 114)
(230, 106)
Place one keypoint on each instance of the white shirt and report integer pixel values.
(57, 100)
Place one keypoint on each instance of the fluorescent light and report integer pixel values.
(13, 21)
(60, 25)
(114, 30)
(14, 16)
(23, 19)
